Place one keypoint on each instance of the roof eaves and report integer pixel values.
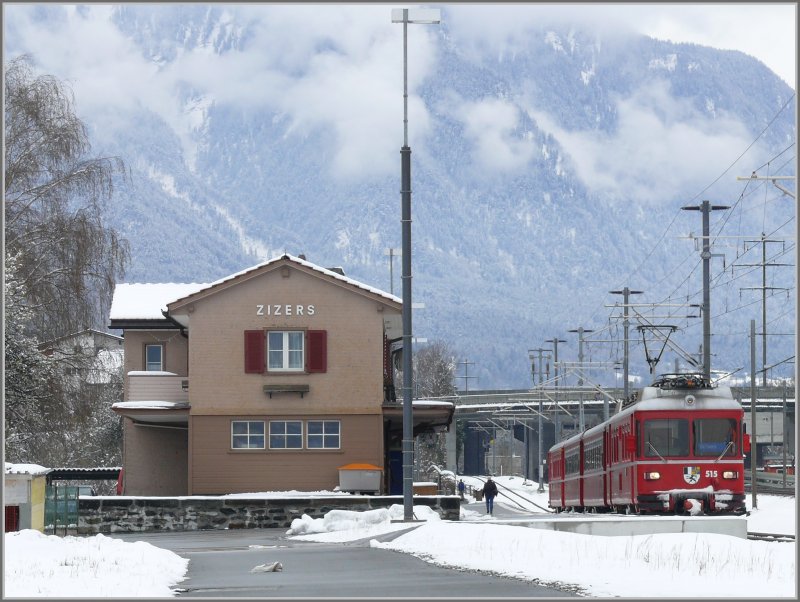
(297, 260)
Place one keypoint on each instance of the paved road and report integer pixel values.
(220, 564)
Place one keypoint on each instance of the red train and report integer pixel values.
(677, 448)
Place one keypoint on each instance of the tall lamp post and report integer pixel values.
(406, 16)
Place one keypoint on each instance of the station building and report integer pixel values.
(270, 379)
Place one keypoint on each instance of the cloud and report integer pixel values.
(491, 125)
(661, 143)
(318, 67)
(334, 68)
(766, 31)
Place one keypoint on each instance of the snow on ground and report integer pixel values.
(689, 565)
(38, 565)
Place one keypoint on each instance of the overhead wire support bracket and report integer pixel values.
(653, 361)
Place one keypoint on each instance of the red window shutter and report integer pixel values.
(254, 350)
(317, 351)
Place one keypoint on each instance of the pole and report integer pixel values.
(556, 424)
(528, 454)
(764, 308)
(783, 434)
(626, 292)
(580, 330)
(753, 447)
(494, 450)
(408, 412)
(539, 457)
(706, 208)
(706, 295)
(402, 16)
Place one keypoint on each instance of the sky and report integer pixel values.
(694, 565)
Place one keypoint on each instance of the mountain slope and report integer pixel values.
(546, 179)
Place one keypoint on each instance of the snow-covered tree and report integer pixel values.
(27, 373)
(434, 370)
(61, 264)
(55, 195)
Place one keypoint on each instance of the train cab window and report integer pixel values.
(715, 437)
(666, 437)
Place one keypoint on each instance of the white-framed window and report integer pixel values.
(154, 357)
(247, 434)
(285, 434)
(285, 350)
(323, 434)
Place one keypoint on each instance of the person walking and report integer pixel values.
(461, 488)
(489, 493)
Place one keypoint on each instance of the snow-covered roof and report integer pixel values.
(146, 301)
(304, 263)
(432, 402)
(87, 331)
(27, 469)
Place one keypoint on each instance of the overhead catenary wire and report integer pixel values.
(718, 228)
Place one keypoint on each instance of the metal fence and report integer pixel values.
(61, 508)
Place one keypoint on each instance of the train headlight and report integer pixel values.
(730, 474)
(652, 476)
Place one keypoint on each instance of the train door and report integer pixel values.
(607, 467)
(581, 472)
(628, 448)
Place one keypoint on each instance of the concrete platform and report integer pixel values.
(735, 526)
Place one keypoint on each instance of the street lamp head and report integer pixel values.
(417, 15)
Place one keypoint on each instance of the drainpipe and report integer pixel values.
(176, 323)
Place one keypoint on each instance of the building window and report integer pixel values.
(247, 434)
(324, 434)
(292, 351)
(154, 358)
(285, 434)
(285, 350)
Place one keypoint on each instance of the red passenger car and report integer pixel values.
(678, 448)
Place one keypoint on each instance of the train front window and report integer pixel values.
(666, 437)
(715, 437)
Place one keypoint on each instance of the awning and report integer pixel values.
(168, 413)
(429, 416)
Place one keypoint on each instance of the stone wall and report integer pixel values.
(131, 514)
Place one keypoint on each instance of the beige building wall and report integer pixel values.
(218, 469)
(353, 383)
(155, 460)
(351, 389)
(176, 349)
(162, 461)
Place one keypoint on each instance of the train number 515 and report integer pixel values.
(711, 473)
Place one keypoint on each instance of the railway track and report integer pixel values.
(516, 498)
